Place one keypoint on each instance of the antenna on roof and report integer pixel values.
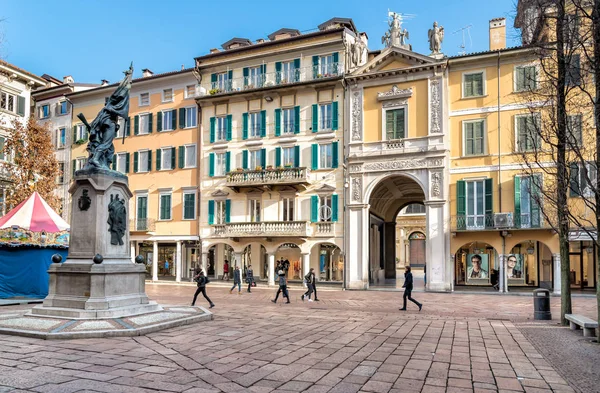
(462, 30)
(401, 17)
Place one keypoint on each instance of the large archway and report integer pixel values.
(386, 200)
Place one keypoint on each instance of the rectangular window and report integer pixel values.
(220, 212)
(189, 205)
(142, 213)
(326, 156)
(144, 99)
(79, 163)
(61, 137)
(190, 91)
(221, 128)
(325, 208)
(3, 156)
(528, 138)
(473, 84)
(473, 138)
(120, 128)
(190, 117)
(288, 155)
(143, 158)
(527, 202)
(574, 131)
(571, 30)
(255, 126)
(288, 72)
(475, 204)
(288, 119)
(8, 102)
(288, 209)
(63, 108)
(525, 78)
(573, 75)
(255, 77)
(166, 158)
(167, 120)
(255, 159)
(44, 111)
(220, 164)
(395, 123)
(81, 133)
(60, 179)
(585, 178)
(325, 116)
(254, 210)
(222, 81)
(165, 206)
(326, 66)
(144, 124)
(190, 156)
(167, 95)
(122, 162)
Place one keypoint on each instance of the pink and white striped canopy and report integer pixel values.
(35, 215)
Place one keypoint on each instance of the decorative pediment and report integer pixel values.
(326, 189)
(402, 58)
(219, 194)
(394, 93)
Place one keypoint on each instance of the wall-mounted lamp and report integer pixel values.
(530, 249)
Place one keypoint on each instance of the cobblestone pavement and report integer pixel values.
(348, 342)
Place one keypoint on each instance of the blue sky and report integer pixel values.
(96, 39)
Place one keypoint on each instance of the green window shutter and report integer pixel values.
(211, 212)
(182, 121)
(211, 164)
(489, 200)
(135, 162)
(297, 156)
(158, 157)
(136, 125)
(245, 159)
(263, 158)
(73, 164)
(334, 120)
(296, 70)
(174, 119)
(74, 134)
(149, 160)
(213, 78)
(574, 180)
(158, 121)
(229, 78)
(212, 129)
(277, 157)
(334, 208)
(114, 162)
(468, 138)
(478, 141)
(389, 124)
(315, 156)
(334, 155)
(315, 118)
(227, 211)
(20, 106)
(245, 74)
(468, 88)
(150, 125)
(173, 157)
(536, 189)
(227, 162)
(126, 162)
(520, 78)
(128, 126)
(277, 122)
(336, 60)
(228, 127)
(189, 200)
(461, 204)
(278, 72)
(263, 123)
(517, 191)
(296, 120)
(315, 62)
(314, 208)
(400, 126)
(245, 125)
(181, 156)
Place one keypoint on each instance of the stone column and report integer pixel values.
(305, 265)
(205, 262)
(178, 263)
(438, 277)
(272, 269)
(237, 260)
(557, 275)
(502, 278)
(155, 261)
(357, 255)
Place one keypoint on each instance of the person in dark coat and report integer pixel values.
(282, 287)
(201, 280)
(237, 280)
(309, 279)
(408, 286)
(249, 277)
(314, 283)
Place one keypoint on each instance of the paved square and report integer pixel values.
(347, 342)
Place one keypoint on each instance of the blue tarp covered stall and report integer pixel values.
(24, 271)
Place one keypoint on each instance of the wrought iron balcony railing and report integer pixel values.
(488, 222)
(267, 228)
(142, 225)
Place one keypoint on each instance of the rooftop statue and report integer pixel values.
(396, 35)
(436, 36)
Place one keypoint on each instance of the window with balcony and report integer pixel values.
(167, 95)
(254, 210)
(189, 205)
(582, 179)
(145, 124)
(326, 65)
(527, 206)
(255, 77)
(218, 212)
(254, 125)
(63, 108)
(44, 111)
(474, 203)
(288, 72)
(395, 123)
(528, 136)
(287, 209)
(189, 118)
(574, 131)
(144, 99)
(473, 84)
(325, 155)
(324, 208)
(142, 161)
(526, 78)
(288, 155)
(255, 159)
(60, 179)
(473, 137)
(61, 137)
(122, 163)
(222, 81)
(142, 213)
(165, 206)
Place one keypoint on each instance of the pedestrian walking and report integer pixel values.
(249, 277)
(314, 283)
(201, 281)
(309, 279)
(237, 280)
(226, 270)
(408, 286)
(282, 287)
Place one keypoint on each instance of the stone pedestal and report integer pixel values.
(86, 286)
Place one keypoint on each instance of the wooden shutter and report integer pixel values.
(149, 160)
(158, 157)
(296, 70)
(213, 78)
(536, 186)
(245, 74)
(334, 119)
(315, 62)
(336, 60)
(136, 125)
(211, 212)
(296, 120)
(315, 118)
(314, 208)
(334, 208)
(181, 157)
(245, 159)
(135, 162)
(389, 125)
(315, 156)
(150, 117)
(478, 138)
(489, 201)
(297, 156)
(468, 92)
(227, 211)
(468, 138)
(73, 166)
(334, 154)
(517, 192)
(278, 72)
(227, 162)
(174, 119)
(263, 158)
(20, 105)
(229, 78)
(128, 126)
(182, 119)
(173, 157)
(277, 122)
(228, 127)
(461, 204)
(74, 134)
(212, 129)
(399, 126)
(211, 164)
(159, 116)
(126, 162)
(114, 162)
(521, 75)
(263, 123)
(574, 180)
(245, 125)
(277, 157)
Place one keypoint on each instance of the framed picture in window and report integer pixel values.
(478, 269)
(515, 269)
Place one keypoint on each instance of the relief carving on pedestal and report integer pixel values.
(117, 220)
(357, 116)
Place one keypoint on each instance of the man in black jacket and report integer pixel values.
(309, 279)
(408, 286)
(201, 279)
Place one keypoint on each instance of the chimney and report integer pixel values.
(260, 40)
(214, 50)
(68, 79)
(104, 82)
(146, 73)
(498, 33)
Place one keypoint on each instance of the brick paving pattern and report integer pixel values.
(348, 342)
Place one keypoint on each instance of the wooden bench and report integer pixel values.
(588, 325)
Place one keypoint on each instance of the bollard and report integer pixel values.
(541, 305)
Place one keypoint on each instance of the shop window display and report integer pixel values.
(476, 265)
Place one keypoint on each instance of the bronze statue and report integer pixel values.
(117, 219)
(103, 129)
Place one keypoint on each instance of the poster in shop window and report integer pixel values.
(478, 269)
